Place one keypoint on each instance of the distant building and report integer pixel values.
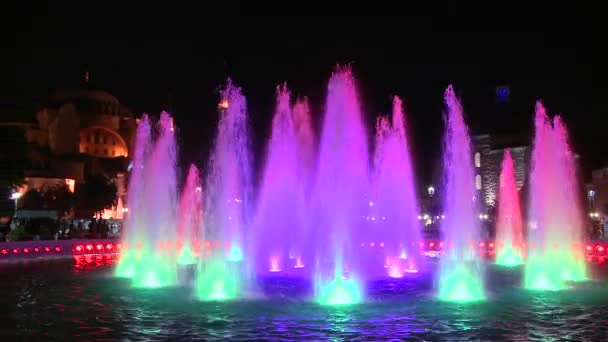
(488, 152)
(76, 133)
(597, 192)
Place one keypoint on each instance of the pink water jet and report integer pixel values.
(190, 226)
(555, 215)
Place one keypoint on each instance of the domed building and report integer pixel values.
(77, 133)
(89, 122)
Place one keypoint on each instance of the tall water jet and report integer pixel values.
(306, 146)
(134, 231)
(190, 227)
(395, 206)
(556, 220)
(340, 194)
(509, 227)
(461, 275)
(305, 137)
(279, 214)
(228, 199)
(158, 265)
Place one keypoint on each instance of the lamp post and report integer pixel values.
(15, 196)
(431, 191)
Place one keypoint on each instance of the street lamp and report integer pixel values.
(15, 196)
(431, 190)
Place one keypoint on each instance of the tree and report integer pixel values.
(58, 198)
(31, 200)
(13, 162)
(97, 194)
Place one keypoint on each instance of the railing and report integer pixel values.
(595, 251)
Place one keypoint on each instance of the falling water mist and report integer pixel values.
(509, 228)
(394, 207)
(555, 253)
(461, 274)
(223, 269)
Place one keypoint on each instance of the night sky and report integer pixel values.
(558, 63)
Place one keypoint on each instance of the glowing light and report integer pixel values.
(57, 249)
(235, 254)
(223, 104)
(274, 265)
(461, 286)
(109, 246)
(339, 291)
(26, 250)
(99, 247)
(16, 195)
(299, 263)
(79, 248)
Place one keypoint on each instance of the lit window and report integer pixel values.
(478, 182)
(113, 153)
(477, 159)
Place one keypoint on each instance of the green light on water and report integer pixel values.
(125, 267)
(217, 281)
(186, 257)
(338, 291)
(551, 270)
(235, 254)
(509, 256)
(459, 284)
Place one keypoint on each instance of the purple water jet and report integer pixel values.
(278, 225)
(340, 195)
(395, 208)
(461, 275)
(228, 201)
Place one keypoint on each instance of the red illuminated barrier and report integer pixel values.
(17, 250)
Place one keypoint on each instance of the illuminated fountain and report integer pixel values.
(278, 224)
(461, 274)
(135, 228)
(150, 229)
(340, 195)
(556, 221)
(223, 270)
(509, 228)
(394, 221)
(190, 227)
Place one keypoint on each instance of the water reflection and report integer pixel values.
(80, 300)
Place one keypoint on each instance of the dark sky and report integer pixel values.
(557, 62)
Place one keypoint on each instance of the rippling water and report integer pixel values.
(58, 300)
